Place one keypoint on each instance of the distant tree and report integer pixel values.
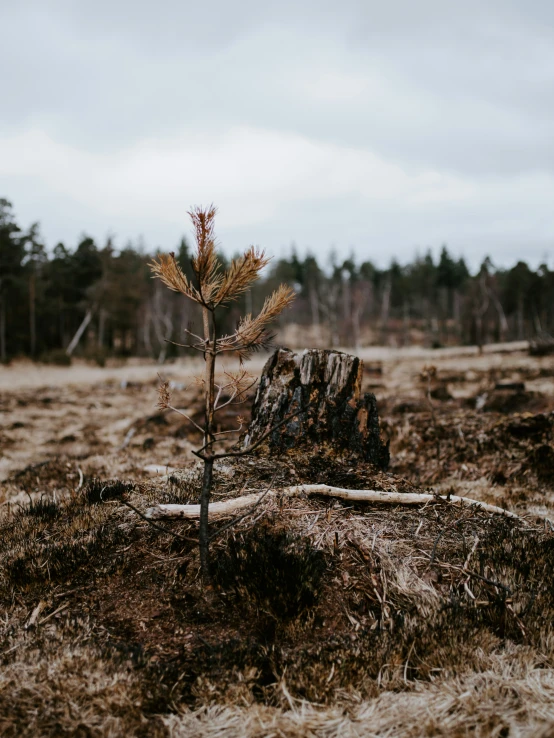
(312, 289)
(59, 293)
(86, 267)
(12, 252)
(103, 298)
(35, 261)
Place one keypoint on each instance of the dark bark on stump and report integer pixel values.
(338, 419)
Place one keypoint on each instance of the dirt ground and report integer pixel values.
(324, 618)
(104, 422)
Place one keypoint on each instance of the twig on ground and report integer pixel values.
(244, 515)
(218, 509)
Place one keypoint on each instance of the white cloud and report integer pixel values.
(251, 172)
(276, 183)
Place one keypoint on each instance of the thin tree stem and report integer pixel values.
(204, 531)
(209, 336)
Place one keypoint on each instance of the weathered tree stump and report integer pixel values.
(336, 419)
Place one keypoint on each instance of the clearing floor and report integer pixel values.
(323, 617)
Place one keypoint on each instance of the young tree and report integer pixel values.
(212, 287)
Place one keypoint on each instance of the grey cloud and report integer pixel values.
(468, 86)
(464, 88)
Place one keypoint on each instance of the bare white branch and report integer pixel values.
(227, 507)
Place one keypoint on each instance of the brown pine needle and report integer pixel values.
(168, 270)
(205, 263)
(240, 275)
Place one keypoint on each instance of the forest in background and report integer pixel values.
(97, 301)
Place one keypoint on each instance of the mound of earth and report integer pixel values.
(108, 628)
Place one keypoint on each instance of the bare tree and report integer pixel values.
(359, 299)
(385, 309)
(162, 320)
(479, 308)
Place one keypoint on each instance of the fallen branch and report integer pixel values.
(220, 509)
(217, 509)
(155, 525)
(240, 517)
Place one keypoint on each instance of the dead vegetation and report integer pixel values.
(324, 617)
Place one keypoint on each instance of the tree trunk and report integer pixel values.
(331, 310)
(520, 323)
(3, 353)
(146, 332)
(204, 541)
(32, 316)
(385, 306)
(337, 419)
(209, 334)
(314, 305)
(458, 316)
(405, 323)
(61, 321)
(159, 316)
(101, 328)
(80, 330)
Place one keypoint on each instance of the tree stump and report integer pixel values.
(337, 420)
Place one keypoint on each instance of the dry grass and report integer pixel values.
(71, 692)
(510, 698)
(325, 619)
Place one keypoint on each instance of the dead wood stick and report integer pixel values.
(219, 509)
(216, 509)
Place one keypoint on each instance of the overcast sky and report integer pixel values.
(375, 127)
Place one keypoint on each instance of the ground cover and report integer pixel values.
(323, 616)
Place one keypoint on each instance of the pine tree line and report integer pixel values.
(106, 298)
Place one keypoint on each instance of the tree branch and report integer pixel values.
(253, 446)
(218, 509)
(231, 400)
(180, 412)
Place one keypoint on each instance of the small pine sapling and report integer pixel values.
(212, 287)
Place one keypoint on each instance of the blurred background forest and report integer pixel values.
(97, 301)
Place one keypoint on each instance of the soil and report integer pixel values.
(319, 611)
